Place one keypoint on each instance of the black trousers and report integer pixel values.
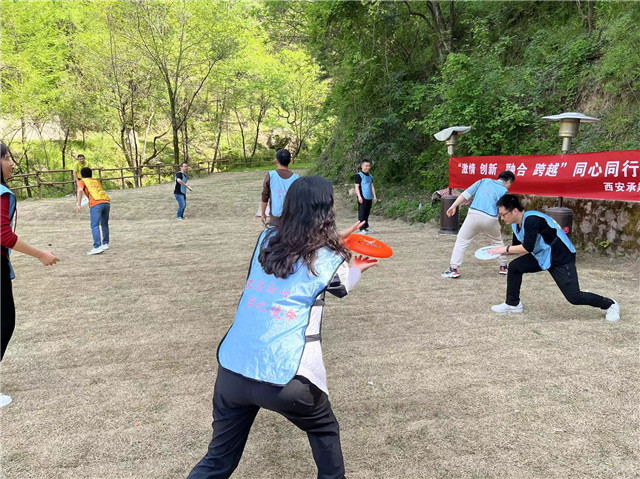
(364, 209)
(565, 276)
(8, 308)
(236, 402)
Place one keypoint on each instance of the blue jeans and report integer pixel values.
(100, 217)
(182, 204)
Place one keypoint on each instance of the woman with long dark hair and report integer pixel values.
(9, 242)
(271, 357)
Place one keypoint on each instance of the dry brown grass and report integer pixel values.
(113, 360)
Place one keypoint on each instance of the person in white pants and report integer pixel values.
(481, 218)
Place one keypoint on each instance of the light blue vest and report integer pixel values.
(365, 185)
(542, 251)
(183, 188)
(486, 193)
(267, 338)
(279, 188)
(12, 212)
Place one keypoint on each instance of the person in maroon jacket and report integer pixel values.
(9, 242)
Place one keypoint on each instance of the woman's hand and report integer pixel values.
(47, 258)
(363, 263)
(451, 211)
(498, 250)
(346, 232)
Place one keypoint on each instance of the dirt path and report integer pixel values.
(112, 364)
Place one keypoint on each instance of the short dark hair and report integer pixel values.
(365, 161)
(80, 156)
(184, 163)
(510, 202)
(284, 157)
(86, 172)
(507, 175)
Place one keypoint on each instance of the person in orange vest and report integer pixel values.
(99, 206)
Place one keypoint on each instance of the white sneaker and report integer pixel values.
(105, 246)
(5, 400)
(504, 308)
(95, 251)
(613, 313)
(180, 219)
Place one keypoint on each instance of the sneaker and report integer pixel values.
(504, 269)
(5, 400)
(105, 246)
(180, 219)
(451, 273)
(95, 251)
(368, 231)
(613, 313)
(504, 308)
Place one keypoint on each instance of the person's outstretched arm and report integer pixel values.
(47, 258)
(347, 277)
(79, 199)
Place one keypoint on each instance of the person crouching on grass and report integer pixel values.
(544, 246)
(99, 207)
(271, 357)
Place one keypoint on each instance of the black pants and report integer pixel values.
(8, 308)
(236, 402)
(565, 276)
(364, 209)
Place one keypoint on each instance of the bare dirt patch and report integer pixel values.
(112, 364)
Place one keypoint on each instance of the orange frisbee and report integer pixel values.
(368, 246)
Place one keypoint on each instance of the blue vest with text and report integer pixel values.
(486, 193)
(267, 338)
(365, 185)
(279, 188)
(542, 251)
(12, 212)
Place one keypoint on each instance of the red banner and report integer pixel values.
(607, 175)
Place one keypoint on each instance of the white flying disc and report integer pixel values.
(483, 253)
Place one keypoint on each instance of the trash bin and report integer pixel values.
(564, 217)
(448, 225)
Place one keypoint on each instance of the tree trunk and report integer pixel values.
(124, 141)
(23, 128)
(590, 17)
(185, 142)
(263, 110)
(215, 153)
(174, 123)
(244, 148)
(64, 149)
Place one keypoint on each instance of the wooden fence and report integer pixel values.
(57, 182)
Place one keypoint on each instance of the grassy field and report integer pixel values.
(112, 364)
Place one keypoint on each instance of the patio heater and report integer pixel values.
(449, 225)
(569, 127)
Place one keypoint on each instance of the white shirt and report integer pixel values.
(311, 364)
